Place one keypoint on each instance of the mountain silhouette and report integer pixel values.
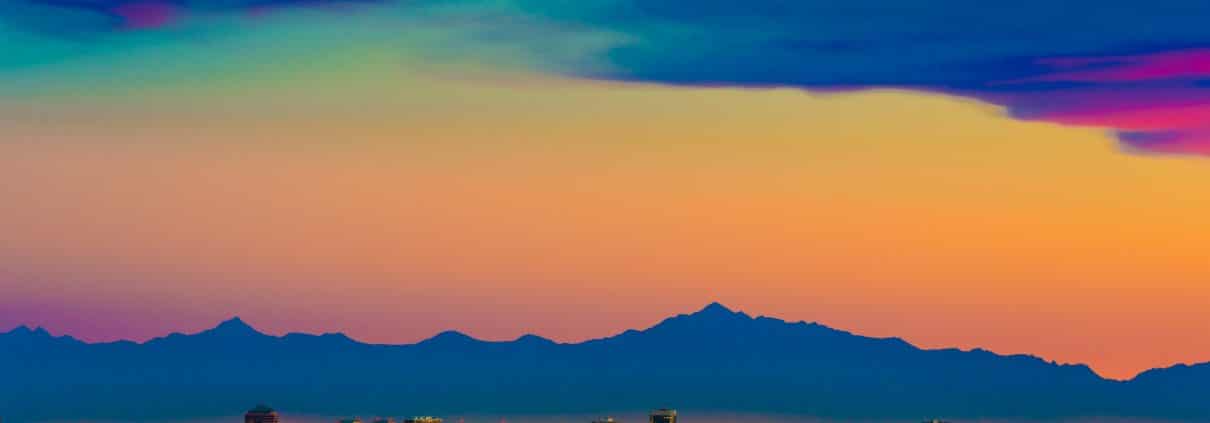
(715, 359)
(234, 326)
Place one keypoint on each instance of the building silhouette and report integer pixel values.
(663, 415)
(261, 414)
(352, 420)
(422, 419)
(384, 420)
(605, 420)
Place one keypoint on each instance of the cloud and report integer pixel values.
(1140, 70)
(95, 17)
(1186, 141)
(1136, 69)
(1192, 64)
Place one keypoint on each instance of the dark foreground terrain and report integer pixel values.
(712, 361)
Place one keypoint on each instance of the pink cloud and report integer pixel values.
(146, 14)
(1183, 64)
(1157, 102)
(1158, 117)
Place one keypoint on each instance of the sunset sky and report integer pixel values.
(394, 169)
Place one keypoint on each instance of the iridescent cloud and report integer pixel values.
(1137, 70)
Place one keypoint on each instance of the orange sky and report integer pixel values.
(506, 204)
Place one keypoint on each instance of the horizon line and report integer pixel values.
(712, 306)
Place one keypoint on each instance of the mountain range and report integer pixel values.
(713, 360)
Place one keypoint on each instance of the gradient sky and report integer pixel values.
(391, 170)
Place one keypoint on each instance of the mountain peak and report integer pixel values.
(712, 317)
(715, 308)
(450, 337)
(27, 330)
(36, 334)
(717, 311)
(533, 339)
(234, 326)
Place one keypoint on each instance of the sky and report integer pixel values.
(1027, 180)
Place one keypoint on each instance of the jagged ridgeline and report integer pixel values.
(713, 360)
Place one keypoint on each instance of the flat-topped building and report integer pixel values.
(605, 420)
(261, 414)
(663, 415)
